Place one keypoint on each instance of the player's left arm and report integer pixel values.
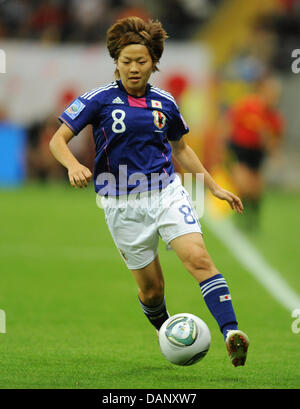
(188, 159)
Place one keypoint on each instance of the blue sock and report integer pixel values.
(218, 300)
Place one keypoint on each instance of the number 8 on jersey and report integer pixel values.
(118, 126)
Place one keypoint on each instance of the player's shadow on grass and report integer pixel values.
(180, 376)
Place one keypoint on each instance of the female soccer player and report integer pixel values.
(137, 128)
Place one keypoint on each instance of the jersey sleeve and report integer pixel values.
(79, 114)
(177, 126)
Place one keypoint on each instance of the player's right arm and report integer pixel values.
(79, 175)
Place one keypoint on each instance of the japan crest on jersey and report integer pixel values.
(159, 119)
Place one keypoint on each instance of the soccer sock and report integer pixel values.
(157, 315)
(218, 300)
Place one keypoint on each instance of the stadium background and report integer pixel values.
(62, 280)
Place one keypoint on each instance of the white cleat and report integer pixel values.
(237, 343)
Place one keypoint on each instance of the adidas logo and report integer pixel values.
(118, 101)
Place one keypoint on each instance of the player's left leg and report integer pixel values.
(192, 251)
(150, 283)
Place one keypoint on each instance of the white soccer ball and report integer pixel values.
(184, 339)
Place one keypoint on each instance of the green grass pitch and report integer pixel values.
(72, 315)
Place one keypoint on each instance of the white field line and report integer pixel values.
(254, 262)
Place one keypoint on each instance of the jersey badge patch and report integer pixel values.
(159, 119)
(225, 297)
(74, 110)
(156, 104)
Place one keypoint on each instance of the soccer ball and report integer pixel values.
(184, 339)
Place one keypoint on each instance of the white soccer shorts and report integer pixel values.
(136, 223)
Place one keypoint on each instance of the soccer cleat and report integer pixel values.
(237, 343)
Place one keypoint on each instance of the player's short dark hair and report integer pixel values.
(134, 30)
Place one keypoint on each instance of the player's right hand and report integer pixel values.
(79, 175)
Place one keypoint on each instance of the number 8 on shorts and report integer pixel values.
(187, 212)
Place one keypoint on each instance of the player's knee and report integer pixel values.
(199, 261)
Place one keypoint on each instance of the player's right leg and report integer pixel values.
(133, 230)
(150, 283)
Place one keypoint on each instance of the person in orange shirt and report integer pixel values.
(255, 130)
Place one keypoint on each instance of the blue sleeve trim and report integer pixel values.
(68, 125)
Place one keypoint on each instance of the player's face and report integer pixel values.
(135, 66)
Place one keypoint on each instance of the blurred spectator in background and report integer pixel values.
(254, 130)
(47, 20)
(3, 114)
(14, 15)
(87, 21)
(40, 164)
(127, 8)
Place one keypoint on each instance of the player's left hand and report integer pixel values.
(234, 201)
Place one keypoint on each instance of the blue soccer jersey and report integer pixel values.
(131, 136)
